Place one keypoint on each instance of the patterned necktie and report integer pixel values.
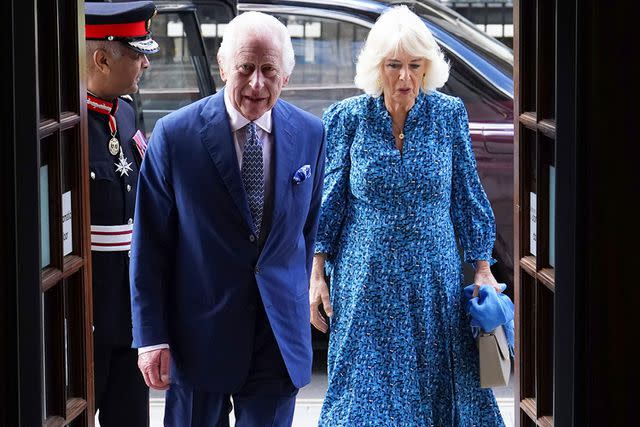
(253, 175)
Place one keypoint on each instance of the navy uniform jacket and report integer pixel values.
(112, 204)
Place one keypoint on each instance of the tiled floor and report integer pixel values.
(309, 403)
(308, 411)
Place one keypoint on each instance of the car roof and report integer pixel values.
(485, 55)
(168, 6)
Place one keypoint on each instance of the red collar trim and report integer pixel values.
(102, 31)
(101, 106)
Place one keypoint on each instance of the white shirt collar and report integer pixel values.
(238, 121)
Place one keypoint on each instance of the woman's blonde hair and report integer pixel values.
(399, 29)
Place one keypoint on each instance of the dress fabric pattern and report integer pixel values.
(401, 351)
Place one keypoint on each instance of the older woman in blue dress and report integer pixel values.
(401, 187)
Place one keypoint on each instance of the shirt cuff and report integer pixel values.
(151, 348)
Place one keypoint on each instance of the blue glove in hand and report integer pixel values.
(489, 310)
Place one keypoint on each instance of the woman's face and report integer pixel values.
(402, 76)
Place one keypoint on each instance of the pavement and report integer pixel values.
(309, 403)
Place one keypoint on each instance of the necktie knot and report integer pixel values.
(252, 133)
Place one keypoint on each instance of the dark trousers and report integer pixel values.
(267, 398)
(122, 397)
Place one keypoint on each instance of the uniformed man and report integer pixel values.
(118, 41)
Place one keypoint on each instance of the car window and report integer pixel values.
(173, 79)
(326, 51)
(484, 103)
(213, 18)
(491, 49)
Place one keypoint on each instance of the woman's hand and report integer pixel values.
(319, 294)
(484, 276)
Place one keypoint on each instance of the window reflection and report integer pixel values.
(171, 81)
(325, 50)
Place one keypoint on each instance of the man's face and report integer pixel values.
(255, 76)
(126, 71)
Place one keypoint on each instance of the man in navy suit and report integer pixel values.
(227, 208)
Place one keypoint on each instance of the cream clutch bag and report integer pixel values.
(495, 362)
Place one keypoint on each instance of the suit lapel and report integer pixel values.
(218, 141)
(284, 132)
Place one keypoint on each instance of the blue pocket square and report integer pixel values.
(301, 174)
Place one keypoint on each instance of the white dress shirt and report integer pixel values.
(263, 129)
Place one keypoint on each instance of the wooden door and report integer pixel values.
(45, 269)
(534, 199)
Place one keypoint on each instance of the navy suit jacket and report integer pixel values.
(194, 263)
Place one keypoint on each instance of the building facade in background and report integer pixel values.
(493, 17)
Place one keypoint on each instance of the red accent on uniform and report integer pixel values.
(107, 107)
(111, 233)
(132, 29)
(104, 107)
(112, 124)
(112, 244)
(141, 143)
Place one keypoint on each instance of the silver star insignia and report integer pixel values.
(123, 166)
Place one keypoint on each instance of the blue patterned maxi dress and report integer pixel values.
(401, 351)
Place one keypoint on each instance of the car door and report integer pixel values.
(180, 73)
(213, 16)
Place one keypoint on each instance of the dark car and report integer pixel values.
(327, 38)
(181, 72)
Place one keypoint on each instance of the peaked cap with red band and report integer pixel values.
(126, 22)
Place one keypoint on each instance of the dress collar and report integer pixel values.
(416, 112)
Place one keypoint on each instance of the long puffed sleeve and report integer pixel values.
(470, 209)
(340, 127)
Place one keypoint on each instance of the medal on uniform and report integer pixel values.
(109, 109)
(123, 166)
(114, 146)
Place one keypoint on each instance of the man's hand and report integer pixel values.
(154, 366)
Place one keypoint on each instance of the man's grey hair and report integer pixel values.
(255, 24)
(396, 30)
(114, 48)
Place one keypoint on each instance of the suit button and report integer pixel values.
(252, 238)
(257, 269)
(130, 221)
(129, 254)
(128, 187)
